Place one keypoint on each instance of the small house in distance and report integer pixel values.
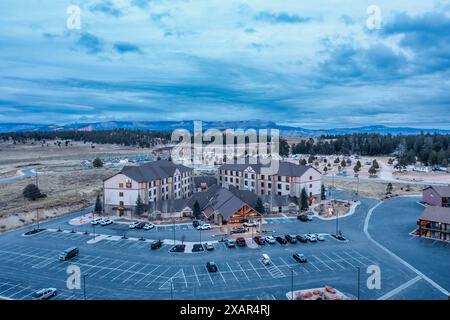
(436, 196)
(435, 223)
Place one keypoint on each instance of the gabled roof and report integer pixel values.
(436, 214)
(284, 168)
(442, 191)
(208, 180)
(153, 170)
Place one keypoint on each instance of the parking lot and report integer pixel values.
(116, 268)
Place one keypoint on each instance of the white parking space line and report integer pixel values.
(231, 270)
(127, 270)
(112, 270)
(196, 276)
(134, 273)
(148, 274)
(157, 277)
(343, 259)
(207, 272)
(337, 263)
(407, 284)
(322, 262)
(356, 259)
(240, 266)
(254, 269)
(312, 264)
(290, 266)
(20, 291)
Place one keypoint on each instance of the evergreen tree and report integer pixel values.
(259, 206)
(389, 188)
(32, 192)
(372, 171)
(139, 209)
(98, 208)
(375, 164)
(323, 192)
(97, 163)
(304, 203)
(196, 210)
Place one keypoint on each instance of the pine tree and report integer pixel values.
(32, 192)
(304, 205)
(97, 163)
(98, 205)
(259, 206)
(389, 188)
(139, 208)
(196, 210)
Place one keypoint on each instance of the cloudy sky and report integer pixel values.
(315, 64)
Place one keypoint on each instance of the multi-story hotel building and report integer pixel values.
(153, 181)
(289, 180)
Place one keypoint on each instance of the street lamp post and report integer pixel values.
(337, 222)
(37, 218)
(359, 280)
(171, 289)
(200, 236)
(292, 284)
(173, 220)
(84, 286)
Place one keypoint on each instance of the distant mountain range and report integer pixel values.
(286, 131)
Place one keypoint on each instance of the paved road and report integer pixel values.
(125, 269)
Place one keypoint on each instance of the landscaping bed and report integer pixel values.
(198, 248)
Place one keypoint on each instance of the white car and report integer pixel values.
(250, 224)
(133, 225)
(205, 226)
(44, 294)
(96, 221)
(320, 237)
(311, 237)
(106, 222)
(270, 239)
(149, 226)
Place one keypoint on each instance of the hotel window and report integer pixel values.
(287, 187)
(287, 179)
(231, 179)
(253, 183)
(279, 186)
(246, 175)
(270, 178)
(226, 179)
(262, 177)
(253, 176)
(120, 194)
(121, 203)
(279, 178)
(310, 177)
(269, 185)
(237, 180)
(246, 182)
(262, 184)
(120, 185)
(128, 185)
(310, 185)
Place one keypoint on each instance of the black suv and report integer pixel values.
(302, 238)
(211, 266)
(195, 223)
(140, 225)
(240, 242)
(291, 238)
(280, 240)
(302, 217)
(156, 244)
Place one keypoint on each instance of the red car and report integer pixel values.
(259, 240)
(240, 242)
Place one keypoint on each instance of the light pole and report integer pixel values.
(37, 218)
(337, 222)
(173, 220)
(359, 279)
(200, 236)
(84, 286)
(171, 289)
(292, 284)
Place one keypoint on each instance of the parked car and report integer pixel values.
(106, 222)
(195, 223)
(265, 259)
(320, 237)
(259, 240)
(302, 217)
(96, 221)
(301, 238)
(270, 239)
(240, 242)
(205, 226)
(209, 246)
(239, 230)
(280, 240)
(149, 226)
(250, 224)
(211, 266)
(44, 294)
(311, 237)
(291, 238)
(309, 217)
(230, 243)
(156, 244)
(299, 257)
(69, 254)
(133, 225)
(140, 225)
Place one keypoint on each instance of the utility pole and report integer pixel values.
(337, 222)
(173, 220)
(37, 217)
(359, 279)
(84, 286)
(200, 236)
(171, 289)
(292, 284)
